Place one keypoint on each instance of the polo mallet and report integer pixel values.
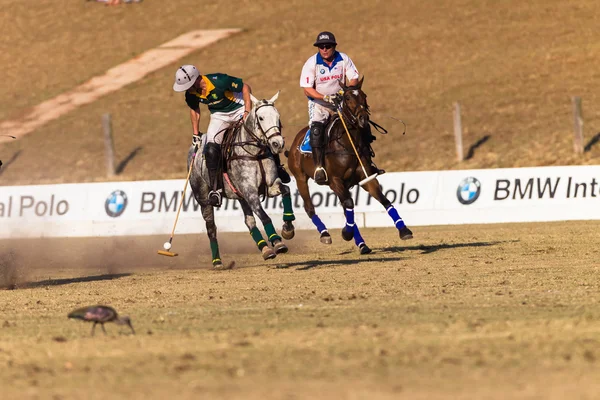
(167, 245)
(368, 178)
(10, 136)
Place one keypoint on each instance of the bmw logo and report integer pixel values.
(115, 203)
(468, 190)
(322, 71)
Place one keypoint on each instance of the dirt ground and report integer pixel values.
(487, 311)
(512, 65)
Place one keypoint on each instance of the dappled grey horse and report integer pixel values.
(250, 172)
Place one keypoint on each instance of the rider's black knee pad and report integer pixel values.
(317, 134)
(212, 152)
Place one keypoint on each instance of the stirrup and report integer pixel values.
(325, 180)
(214, 198)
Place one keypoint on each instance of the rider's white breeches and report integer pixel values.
(318, 113)
(219, 122)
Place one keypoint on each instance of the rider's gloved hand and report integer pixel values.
(331, 98)
(196, 139)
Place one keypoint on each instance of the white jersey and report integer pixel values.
(325, 79)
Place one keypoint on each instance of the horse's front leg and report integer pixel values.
(287, 230)
(375, 191)
(350, 230)
(309, 207)
(254, 202)
(211, 230)
(255, 232)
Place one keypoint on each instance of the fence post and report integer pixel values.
(578, 125)
(458, 132)
(108, 145)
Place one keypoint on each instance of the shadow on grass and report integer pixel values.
(121, 167)
(10, 161)
(306, 265)
(435, 247)
(592, 142)
(66, 281)
(476, 145)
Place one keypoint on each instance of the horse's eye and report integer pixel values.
(260, 118)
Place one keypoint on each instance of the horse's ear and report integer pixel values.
(254, 99)
(343, 85)
(274, 98)
(361, 82)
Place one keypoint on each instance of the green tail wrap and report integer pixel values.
(258, 238)
(288, 211)
(271, 233)
(214, 248)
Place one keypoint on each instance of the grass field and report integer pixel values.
(512, 65)
(489, 311)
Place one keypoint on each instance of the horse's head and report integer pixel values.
(355, 107)
(265, 118)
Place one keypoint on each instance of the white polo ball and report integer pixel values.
(167, 245)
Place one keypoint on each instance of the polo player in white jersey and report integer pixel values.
(320, 79)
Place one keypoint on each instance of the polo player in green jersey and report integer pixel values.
(228, 101)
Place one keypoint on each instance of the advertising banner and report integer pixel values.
(421, 198)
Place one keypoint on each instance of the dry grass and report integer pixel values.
(492, 311)
(512, 65)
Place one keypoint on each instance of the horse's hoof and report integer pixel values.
(288, 232)
(280, 248)
(364, 249)
(325, 238)
(347, 233)
(405, 233)
(268, 254)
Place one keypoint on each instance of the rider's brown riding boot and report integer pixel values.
(319, 159)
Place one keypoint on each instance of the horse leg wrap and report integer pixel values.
(395, 217)
(258, 238)
(271, 233)
(349, 212)
(288, 211)
(318, 223)
(214, 248)
(358, 239)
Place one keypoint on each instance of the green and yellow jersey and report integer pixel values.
(223, 93)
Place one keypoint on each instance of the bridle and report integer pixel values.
(257, 124)
(351, 115)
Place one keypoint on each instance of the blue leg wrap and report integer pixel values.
(349, 212)
(358, 240)
(318, 223)
(395, 217)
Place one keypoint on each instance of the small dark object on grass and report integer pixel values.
(100, 315)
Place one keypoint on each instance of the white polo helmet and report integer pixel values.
(185, 77)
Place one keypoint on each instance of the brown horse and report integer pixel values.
(344, 170)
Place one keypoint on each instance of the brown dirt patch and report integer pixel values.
(488, 311)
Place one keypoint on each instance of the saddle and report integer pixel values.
(306, 148)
